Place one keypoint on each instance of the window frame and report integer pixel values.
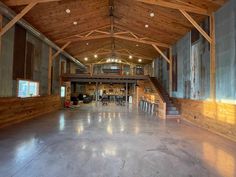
(29, 81)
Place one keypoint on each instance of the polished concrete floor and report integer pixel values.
(95, 141)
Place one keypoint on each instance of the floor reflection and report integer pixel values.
(217, 158)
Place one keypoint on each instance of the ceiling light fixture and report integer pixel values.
(95, 56)
(137, 45)
(152, 14)
(68, 11)
(87, 43)
(75, 22)
(130, 57)
(139, 60)
(86, 58)
(146, 26)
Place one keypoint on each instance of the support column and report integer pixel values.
(1, 25)
(96, 92)
(50, 71)
(170, 72)
(212, 59)
(126, 94)
(91, 70)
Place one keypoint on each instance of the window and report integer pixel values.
(63, 91)
(28, 88)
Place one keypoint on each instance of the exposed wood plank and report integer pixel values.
(196, 25)
(14, 110)
(167, 26)
(176, 6)
(161, 53)
(25, 2)
(212, 59)
(17, 18)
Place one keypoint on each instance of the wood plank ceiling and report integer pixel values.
(167, 26)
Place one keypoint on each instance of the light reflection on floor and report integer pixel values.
(109, 142)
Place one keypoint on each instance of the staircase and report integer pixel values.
(171, 109)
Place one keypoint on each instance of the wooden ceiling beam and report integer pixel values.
(109, 51)
(133, 38)
(196, 25)
(139, 40)
(61, 50)
(17, 18)
(20, 15)
(177, 6)
(25, 2)
(161, 53)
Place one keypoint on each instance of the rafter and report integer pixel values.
(119, 35)
(21, 14)
(109, 51)
(161, 53)
(177, 6)
(17, 18)
(61, 50)
(196, 25)
(25, 2)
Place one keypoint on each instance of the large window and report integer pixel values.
(28, 88)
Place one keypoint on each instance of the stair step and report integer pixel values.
(173, 116)
(172, 112)
(170, 105)
(172, 108)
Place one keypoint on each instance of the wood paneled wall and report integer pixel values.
(217, 117)
(14, 110)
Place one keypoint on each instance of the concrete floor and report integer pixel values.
(112, 142)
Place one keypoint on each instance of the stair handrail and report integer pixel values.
(157, 90)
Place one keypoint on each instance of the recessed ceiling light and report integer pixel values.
(152, 14)
(146, 26)
(95, 56)
(139, 60)
(86, 58)
(130, 57)
(68, 11)
(75, 22)
(137, 45)
(87, 43)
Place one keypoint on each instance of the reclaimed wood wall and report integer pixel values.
(217, 117)
(14, 110)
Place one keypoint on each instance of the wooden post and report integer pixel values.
(96, 92)
(170, 72)
(212, 59)
(91, 70)
(17, 17)
(126, 94)
(50, 71)
(1, 25)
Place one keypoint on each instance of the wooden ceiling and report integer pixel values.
(167, 26)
